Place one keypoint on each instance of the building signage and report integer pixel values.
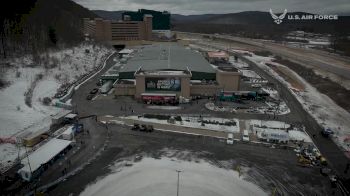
(163, 84)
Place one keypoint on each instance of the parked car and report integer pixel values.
(143, 128)
(150, 128)
(327, 132)
(99, 83)
(245, 136)
(146, 128)
(89, 97)
(94, 91)
(229, 138)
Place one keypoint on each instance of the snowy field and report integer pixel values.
(327, 113)
(312, 40)
(158, 177)
(58, 68)
(193, 122)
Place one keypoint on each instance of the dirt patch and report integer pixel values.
(333, 90)
(289, 77)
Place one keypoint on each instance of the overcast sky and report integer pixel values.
(188, 7)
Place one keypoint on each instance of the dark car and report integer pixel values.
(94, 91)
(135, 127)
(99, 83)
(89, 97)
(150, 128)
(143, 128)
(327, 132)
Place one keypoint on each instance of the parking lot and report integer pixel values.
(264, 161)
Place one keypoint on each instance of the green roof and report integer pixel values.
(167, 56)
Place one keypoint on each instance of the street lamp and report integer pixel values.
(178, 180)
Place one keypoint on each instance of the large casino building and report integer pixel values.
(167, 70)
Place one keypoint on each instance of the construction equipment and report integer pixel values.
(303, 161)
(323, 161)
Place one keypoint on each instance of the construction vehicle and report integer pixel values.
(304, 162)
(323, 161)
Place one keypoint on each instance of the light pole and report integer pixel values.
(178, 180)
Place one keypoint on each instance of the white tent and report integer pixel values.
(41, 156)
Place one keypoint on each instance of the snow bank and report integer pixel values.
(270, 124)
(299, 136)
(159, 177)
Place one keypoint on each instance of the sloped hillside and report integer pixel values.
(39, 24)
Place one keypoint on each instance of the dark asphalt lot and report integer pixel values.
(270, 167)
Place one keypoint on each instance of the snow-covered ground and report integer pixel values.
(211, 106)
(62, 67)
(239, 64)
(269, 124)
(158, 177)
(249, 73)
(159, 107)
(194, 122)
(273, 92)
(326, 112)
(310, 40)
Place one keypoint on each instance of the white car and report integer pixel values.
(245, 136)
(229, 138)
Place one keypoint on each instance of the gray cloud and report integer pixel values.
(221, 6)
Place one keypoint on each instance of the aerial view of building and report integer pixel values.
(171, 68)
(118, 97)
